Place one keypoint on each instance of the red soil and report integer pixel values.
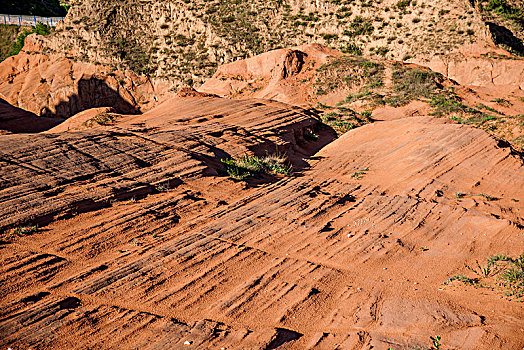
(143, 245)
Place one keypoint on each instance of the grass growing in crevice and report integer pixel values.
(344, 119)
(246, 166)
(359, 174)
(459, 195)
(25, 230)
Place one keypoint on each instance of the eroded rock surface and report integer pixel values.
(139, 230)
(56, 86)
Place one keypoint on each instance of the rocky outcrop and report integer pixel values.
(198, 132)
(284, 75)
(293, 63)
(478, 65)
(55, 86)
(342, 86)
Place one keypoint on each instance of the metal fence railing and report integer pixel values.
(24, 20)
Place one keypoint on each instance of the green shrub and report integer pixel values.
(8, 36)
(344, 120)
(42, 29)
(347, 72)
(103, 119)
(502, 8)
(19, 44)
(360, 26)
(403, 4)
(352, 49)
(447, 104)
(381, 50)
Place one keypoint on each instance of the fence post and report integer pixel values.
(5, 21)
(35, 20)
(20, 21)
(51, 21)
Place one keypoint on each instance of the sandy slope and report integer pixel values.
(144, 246)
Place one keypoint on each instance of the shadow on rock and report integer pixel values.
(92, 93)
(502, 35)
(17, 120)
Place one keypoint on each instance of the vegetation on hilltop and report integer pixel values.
(370, 87)
(13, 38)
(8, 35)
(184, 41)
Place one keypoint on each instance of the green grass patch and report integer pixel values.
(246, 166)
(447, 103)
(344, 119)
(25, 230)
(410, 84)
(359, 174)
(508, 273)
(348, 72)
